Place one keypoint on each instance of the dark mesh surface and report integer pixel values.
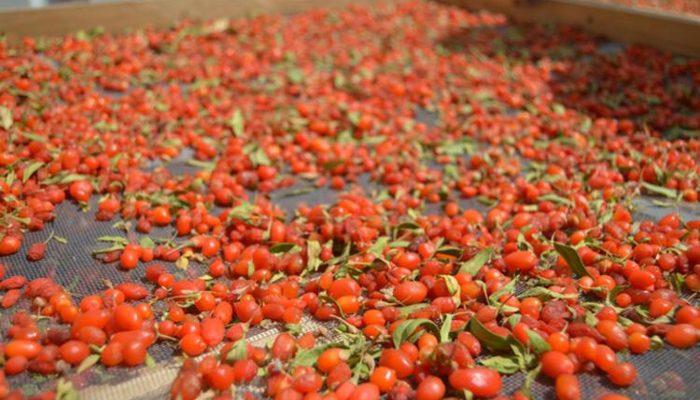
(650, 208)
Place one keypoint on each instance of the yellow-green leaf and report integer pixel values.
(5, 118)
(88, 362)
(473, 266)
(572, 258)
(488, 338)
(406, 330)
(31, 170)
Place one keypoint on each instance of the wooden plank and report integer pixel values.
(118, 16)
(674, 32)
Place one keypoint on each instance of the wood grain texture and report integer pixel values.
(677, 33)
(116, 17)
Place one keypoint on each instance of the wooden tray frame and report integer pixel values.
(673, 32)
(62, 19)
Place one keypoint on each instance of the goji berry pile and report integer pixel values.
(480, 179)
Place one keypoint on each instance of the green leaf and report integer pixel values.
(454, 288)
(446, 328)
(342, 258)
(539, 345)
(488, 338)
(236, 123)
(450, 251)
(256, 154)
(31, 170)
(408, 310)
(108, 249)
(299, 191)
(555, 198)
(339, 81)
(5, 118)
(239, 351)
(10, 177)
(514, 319)
(529, 380)
(330, 165)
(378, 247)
(661, 176)
(115, 160)
(72, 178)
(586, 125)
(88, 362)
(451, 171)
(63, 179)
(677, 281)
(113, 239)
(572, 258)
(60, 239)
(65, 390)
(241, 212)
(34, 137)
(282, 248)
(147, 243)
(610, 297)
(204, 165)
(660, 190)
(508, 288)
(558, 109)
(653, 100)
(313, 253)
(294, 329)
(184, 263)
(295, 75)
(259, 157)
(406, 330)
(590, 319)
(251, 268)
(459, 147)
(354, 117)
(399, 243)
(656, 342)
(277, 276)
(409, 226)
(544, 293)
(308, 357)
(523, 357)
(504, 365)
(660, 203)
(473, 266)
(150, 362)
